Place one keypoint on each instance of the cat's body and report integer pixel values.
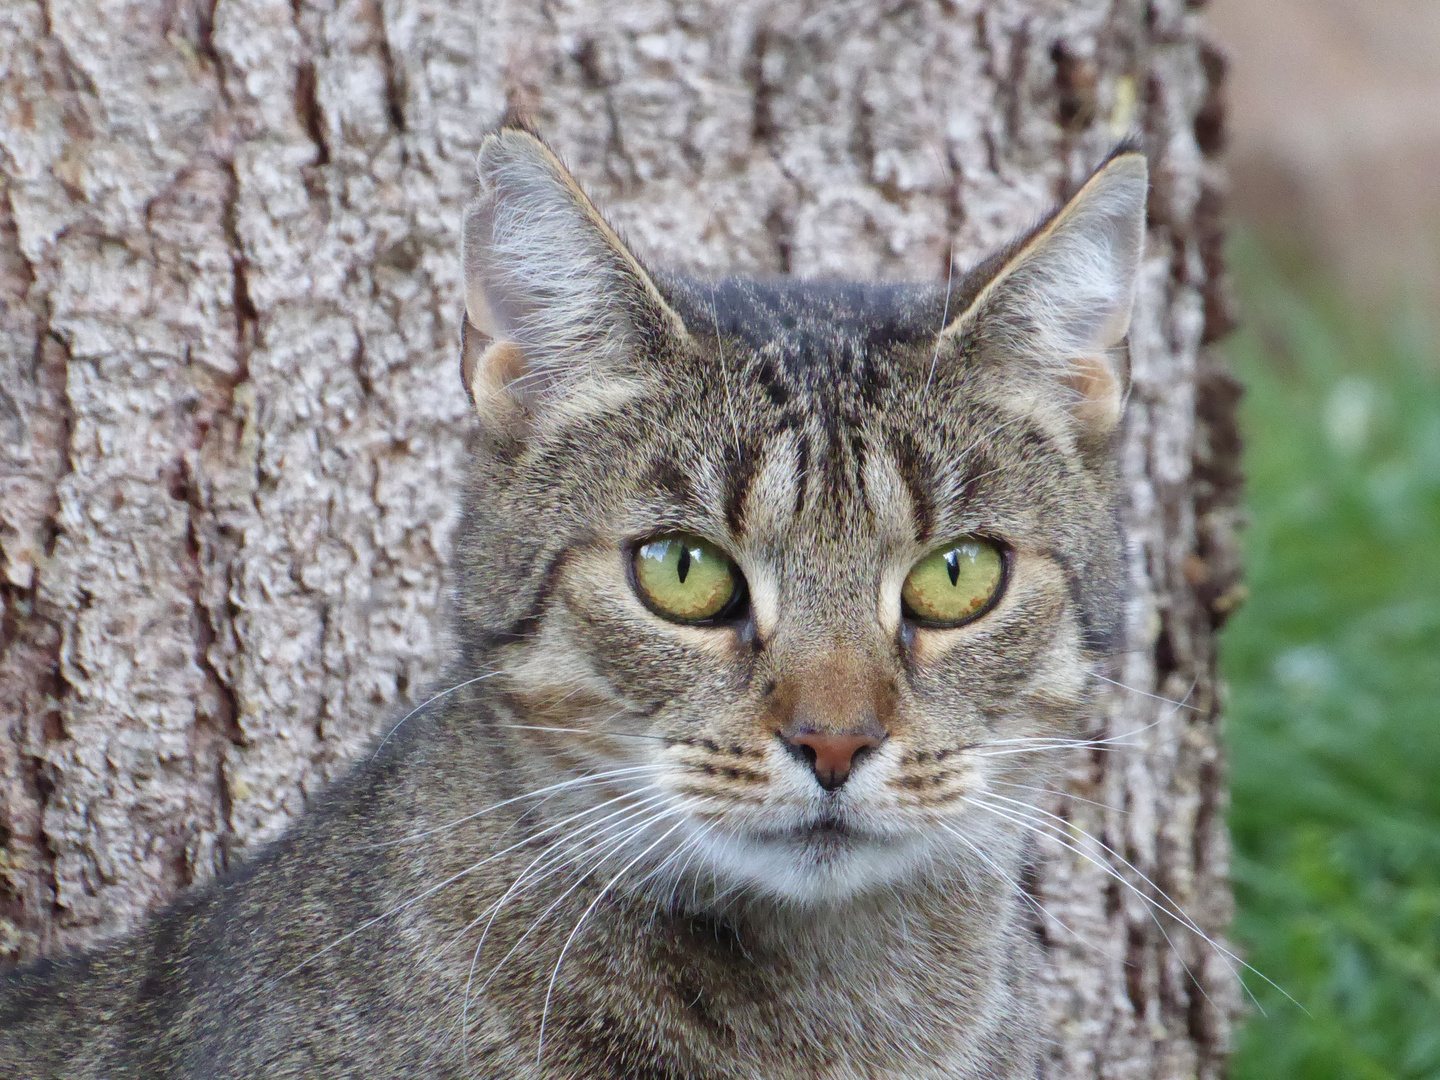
(764, 838)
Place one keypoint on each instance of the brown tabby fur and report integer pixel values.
(718, 914)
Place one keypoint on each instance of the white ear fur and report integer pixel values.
(1065, 299)
(555, 296)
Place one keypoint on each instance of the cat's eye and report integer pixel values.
(954, 584)
(685, 578)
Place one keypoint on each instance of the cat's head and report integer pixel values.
(828, 568)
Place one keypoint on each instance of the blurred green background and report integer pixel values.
(1333, 664)
(1334, 673)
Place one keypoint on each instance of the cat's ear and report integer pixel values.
(1062, 301)
(559, 314)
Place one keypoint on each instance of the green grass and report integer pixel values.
(1334, 670)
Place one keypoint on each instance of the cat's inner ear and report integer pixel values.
(558, 312)
(1061, 304)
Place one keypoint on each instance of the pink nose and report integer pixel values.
(832, 756)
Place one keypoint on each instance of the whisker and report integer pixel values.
(988, 436)
(1063, 794)
(1047, 740)
(598, 858)
(550, 989)
(594, 857)
(694, 854)
(426, 704)
(583, 731)
(1021, 891)
(436, 888)
(1054, 744)
(1178, 705)
(579, 781)
(1060, 740)
(590, 834)
(971, 481)
(944, 317)
(1153, 918)
(569, 842)
(1173, 910)
(567, 696)
(1181, 704)
(1184, 920)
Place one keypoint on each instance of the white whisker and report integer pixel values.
(431, 701)
(1020, 890)
(1170, 908)
(569, 842)
(579, 781)
(610, 846)
(1054, 744)
(607, 846)
(550, 989)
(1064, 794)
(1181, 704)
(436, 888)
(1039, 829)
(944, 317)
(583, 731)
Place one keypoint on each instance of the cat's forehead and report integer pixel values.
(810, 335)
(810, 417)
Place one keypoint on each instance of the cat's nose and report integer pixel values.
(831, 756)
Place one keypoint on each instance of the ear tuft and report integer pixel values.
(558, 301)
(517, 115)
(1064, 300)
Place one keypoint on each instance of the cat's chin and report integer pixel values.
(820, 862)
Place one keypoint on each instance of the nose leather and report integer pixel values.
(832, 756)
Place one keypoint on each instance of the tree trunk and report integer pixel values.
(231, 421)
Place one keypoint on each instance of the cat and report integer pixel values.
(770, 593)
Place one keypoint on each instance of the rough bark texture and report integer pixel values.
(231, 421)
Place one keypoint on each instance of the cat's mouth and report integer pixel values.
(827, 829)
(822, 853)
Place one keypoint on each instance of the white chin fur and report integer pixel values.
(820, 870)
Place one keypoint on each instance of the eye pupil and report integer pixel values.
(686, 578)
(954, 584)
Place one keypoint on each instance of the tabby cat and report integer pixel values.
(764, 590)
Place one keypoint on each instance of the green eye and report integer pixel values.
(685, 578)
(954, 584)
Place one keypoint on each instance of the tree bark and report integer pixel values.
(231, 423)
